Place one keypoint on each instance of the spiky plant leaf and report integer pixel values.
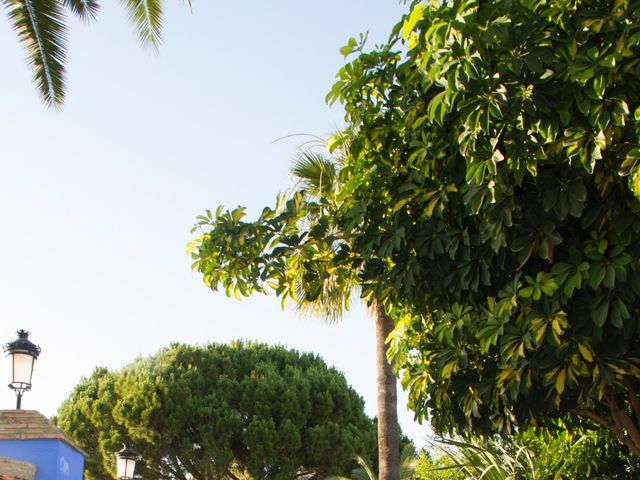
(408, 464)
(41, 28)
(85, 9)
(364, 472)
(315, 172)
(489, 460)
(146, 18)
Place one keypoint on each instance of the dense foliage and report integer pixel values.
(579, 452)
(437, 467)
(486, 198)
(221, 412)
(488, 192)
(535, 453)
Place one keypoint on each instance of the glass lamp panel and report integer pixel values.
(22, 368)
(131, 465)
(125, 467)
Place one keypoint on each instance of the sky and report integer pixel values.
(97, 199)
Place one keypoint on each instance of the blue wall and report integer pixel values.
(54, 459)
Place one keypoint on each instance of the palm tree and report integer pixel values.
(328, 295)
(41, 27)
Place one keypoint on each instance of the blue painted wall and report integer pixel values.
(54, 459)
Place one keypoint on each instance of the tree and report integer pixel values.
(41, 26)
(489, 202)
(490, 191)
(274, 252)
(329, 293)
(221, 412)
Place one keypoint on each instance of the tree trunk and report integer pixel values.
(388, 429)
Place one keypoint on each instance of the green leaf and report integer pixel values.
(437, 108)
(585, 351)
(609, 279)
(598, 272)
(349, 47)
(560, 381)
(599, 85)
(526, 292)
(630, 161)
(608, 61)
(600, 311)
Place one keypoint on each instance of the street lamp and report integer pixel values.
(126, 463)
(23, 354)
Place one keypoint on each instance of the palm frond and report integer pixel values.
(315, 172)
(323, 291)
(41, 28)
(146, 18)
(365, 472)
(408, 462)
(327, 298)
(85, 9)
(489, 460)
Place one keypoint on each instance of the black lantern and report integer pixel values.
(23, 355)
(126, 463)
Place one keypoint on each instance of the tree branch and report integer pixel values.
(629, 428)
(308, 474)
(595, 417)
(611, 404)
(165, 470)
(630, 385)
(619, 432)
(176, 468)
(191, 468)
(632, 430)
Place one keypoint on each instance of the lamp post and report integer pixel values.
(23, 355)
(126, 463)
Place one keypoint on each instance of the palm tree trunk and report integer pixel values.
(388, 429)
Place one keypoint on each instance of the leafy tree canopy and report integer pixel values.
(221, 412)
(491, 190)
(489, 197)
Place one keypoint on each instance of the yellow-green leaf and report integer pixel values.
(414, 17)
(585, 351)
(560, 381)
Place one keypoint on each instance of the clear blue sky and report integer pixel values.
(97, 199)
